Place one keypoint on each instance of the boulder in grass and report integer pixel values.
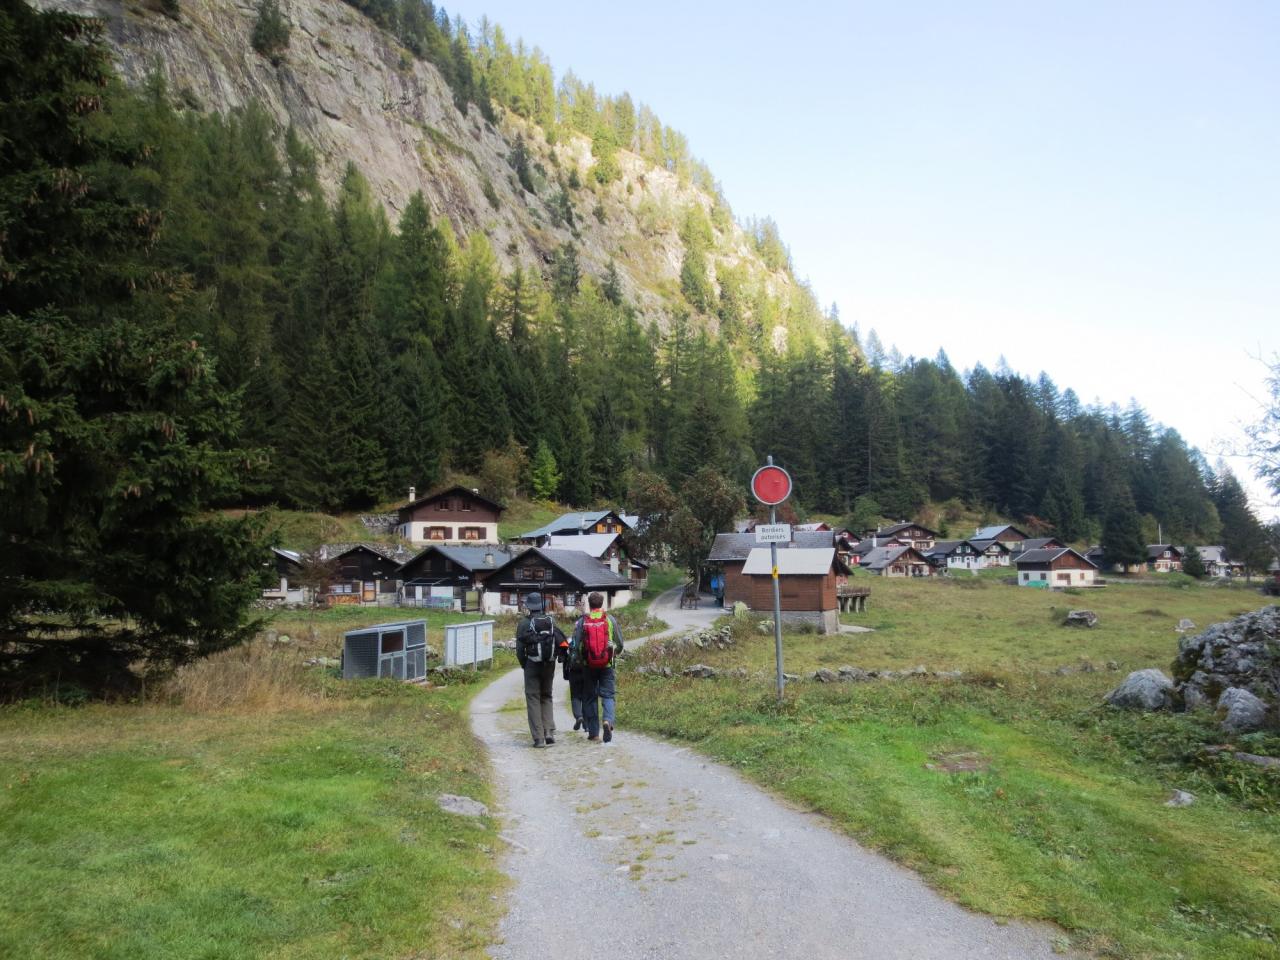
(699, 671)
(1081, 618)
(1241, 711)
(853, 674)
(1143, 690)
(825, 676)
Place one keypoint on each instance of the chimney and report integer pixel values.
(476, 491)
(413, 494)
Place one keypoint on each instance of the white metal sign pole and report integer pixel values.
(777, 597)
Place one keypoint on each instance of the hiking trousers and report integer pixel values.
(538, 679)
(598, 697)
(577, 692)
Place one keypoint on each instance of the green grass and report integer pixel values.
(308, 831)
(523, 515)
(1067, 824)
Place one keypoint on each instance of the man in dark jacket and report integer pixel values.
(600, 630)
(538, 641)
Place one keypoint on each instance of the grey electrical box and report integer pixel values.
(397, 650)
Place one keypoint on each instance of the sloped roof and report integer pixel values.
(1155, 551)
(943, 548)
(802, 561)
(468, 558)
(293, 556)
(982, 545)
(896, 528)
(592, 544)
(586, 570)
(881, 557)
(1213, 553)
(1039, 543)
(388, 551)
(990, 533)
(738, 546)
(580, 520)
(1049, 555)
(448, 491)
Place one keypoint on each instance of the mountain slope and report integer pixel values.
(352, 92)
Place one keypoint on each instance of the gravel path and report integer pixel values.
(640, 849)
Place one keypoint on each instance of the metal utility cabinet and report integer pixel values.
(397, 650)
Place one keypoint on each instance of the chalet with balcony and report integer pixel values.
(1164, 558)
(896, 561)
(449, 577)
(581, 523)
(967, 555)
(458, 516)
(362, 573)
(912, 534)
(611, 550)
(1006, 533)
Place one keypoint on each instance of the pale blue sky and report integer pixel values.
(1088, 188)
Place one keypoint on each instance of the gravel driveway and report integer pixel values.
(640, 849)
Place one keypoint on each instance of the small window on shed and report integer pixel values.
(393, 642)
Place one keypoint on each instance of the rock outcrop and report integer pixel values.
(354, 94)
(1243, 654)
(1143, 690)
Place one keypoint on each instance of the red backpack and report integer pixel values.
(596, 649)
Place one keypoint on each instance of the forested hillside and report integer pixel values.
(373, 353)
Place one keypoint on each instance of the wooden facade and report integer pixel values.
(1055, 569)
(362, 575)
(458, 515)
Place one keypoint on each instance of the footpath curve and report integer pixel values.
(641, 850)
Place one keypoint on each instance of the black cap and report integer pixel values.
(533, 603)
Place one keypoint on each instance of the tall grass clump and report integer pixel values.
(255, 677)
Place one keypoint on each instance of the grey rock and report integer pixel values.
(790, 677)
(1194, 698)
(1185, 625)
(1142, 690)
(1272, 763)
(853, 674)
(1243, 653)
(699, 671)
(462, 806)
(918, 671)
(1081, 618)
(825, 676)
(949, 674)
(1241, 711)
(1180, 798)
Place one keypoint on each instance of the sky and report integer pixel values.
(1087, 189)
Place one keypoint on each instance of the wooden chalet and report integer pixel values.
(809, 579)
(611, 550)
(730, 551)
(563, 577)
(581, 523)
(1216, 562)
(1006, 533)
(1163, 558)
(991, 553)
(1055, 569)
(364, 573)
(1036, 543)
(912, 534)
(288, 572)
(458, 515)
(896, 561)
(450, 577)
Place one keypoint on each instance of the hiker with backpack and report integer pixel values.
(539, 643)
(596, 641)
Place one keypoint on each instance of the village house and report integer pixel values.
(896, 561)
(1035, 543)
(563, 577)
(1055, 569)
(1163, 558)
(288, 571)
(450, 577)
(363, 573)
(912, 534)
(1006, 533)
(611, 550)
(1216, 563)
(967, 555)
(458, 515)
(729, 554)
(1098, 557)
(809, 580)
(581, 523)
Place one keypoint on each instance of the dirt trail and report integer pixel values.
(640, 849)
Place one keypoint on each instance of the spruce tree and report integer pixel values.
(115, 434)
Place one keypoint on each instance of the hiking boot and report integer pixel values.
(608, 731)
(539, 744)
(550, 741)
(577, 723)
(594, 739)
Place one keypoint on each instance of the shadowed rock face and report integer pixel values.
(1242, 654)
(352, 94)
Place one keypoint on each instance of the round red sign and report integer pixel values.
(771, 485)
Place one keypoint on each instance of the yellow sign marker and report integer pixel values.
(775, 573)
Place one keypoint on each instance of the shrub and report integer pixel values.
(271, 31)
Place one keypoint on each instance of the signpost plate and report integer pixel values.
(773, 533)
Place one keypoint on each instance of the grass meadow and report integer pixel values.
(1056, 809)
(252, 807)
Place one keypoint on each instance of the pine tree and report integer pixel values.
(544, 478)
(1193, 563)
(115, 434)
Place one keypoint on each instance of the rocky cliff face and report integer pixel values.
(351, 91)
